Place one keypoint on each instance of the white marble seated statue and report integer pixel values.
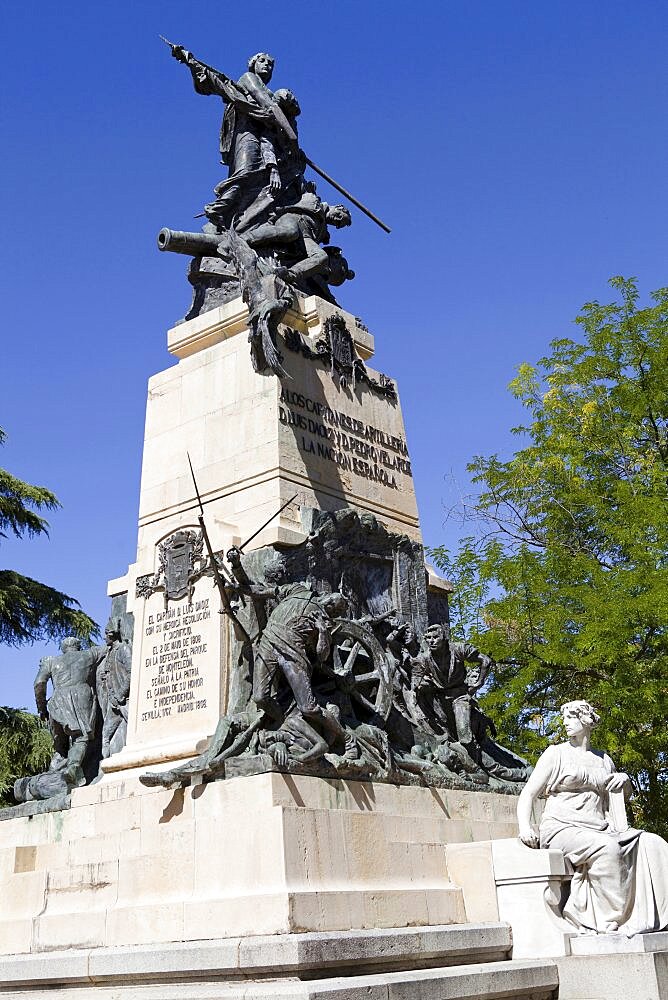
(620, 881)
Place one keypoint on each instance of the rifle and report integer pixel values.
(347, 194)
(284, 125)
(227, 607)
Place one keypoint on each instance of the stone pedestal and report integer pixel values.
(254, 888)
(504, 880)
(264, 854)
(614, 967)
(254, 438)
(255, 441)
(269, 884)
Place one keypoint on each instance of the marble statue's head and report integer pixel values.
(287, 102)
(71, 642)
(581, 710)
(263, 65)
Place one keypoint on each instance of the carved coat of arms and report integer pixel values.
(342, 348)
(181, 565)
(337, 348)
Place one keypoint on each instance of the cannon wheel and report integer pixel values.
(355, 648)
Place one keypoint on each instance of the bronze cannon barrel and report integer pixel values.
(193, 244)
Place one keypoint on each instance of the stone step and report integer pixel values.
(491, 981)
(494, 981)
(458, 962)
(310, 955)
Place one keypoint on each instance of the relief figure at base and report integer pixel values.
(440, 668)
(332, 679)
(72, 712)
(113, 688)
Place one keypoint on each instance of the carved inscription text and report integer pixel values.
(346, 441)
(173, 669)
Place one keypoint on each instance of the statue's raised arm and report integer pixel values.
(212, 82)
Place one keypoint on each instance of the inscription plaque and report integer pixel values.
(348, 442)
(179, 659)
(174, 669)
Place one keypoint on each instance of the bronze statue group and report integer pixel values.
(87, 712)
(267, 230)
(325, 685)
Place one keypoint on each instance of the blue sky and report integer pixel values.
(517, 149)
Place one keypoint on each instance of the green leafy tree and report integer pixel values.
(565, 578)
(29, 610)
(25, 748)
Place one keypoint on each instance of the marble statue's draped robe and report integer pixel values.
(620, 876)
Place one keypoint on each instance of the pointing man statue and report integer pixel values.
(255, 134)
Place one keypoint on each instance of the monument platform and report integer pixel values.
(272, 885)
(265, 854)
(265, 884)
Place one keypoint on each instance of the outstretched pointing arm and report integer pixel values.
(206, 79)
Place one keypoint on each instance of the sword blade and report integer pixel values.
(268, 521)
(192, 473)
(218, 580)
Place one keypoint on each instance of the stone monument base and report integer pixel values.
(266, 886)
(293, 886)
(269, 853)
